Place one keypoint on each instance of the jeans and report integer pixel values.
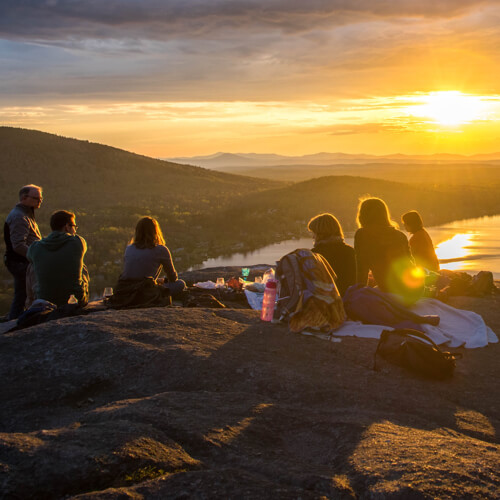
(176, 287)
(18, 270)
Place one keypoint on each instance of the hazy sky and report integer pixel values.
(185, 77)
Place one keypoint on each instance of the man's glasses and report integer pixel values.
(37, 198)
(73, 225)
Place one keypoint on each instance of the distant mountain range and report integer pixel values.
(224, 160)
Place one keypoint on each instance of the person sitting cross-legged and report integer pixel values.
(58, 262)
(145, 257)
(384, 250)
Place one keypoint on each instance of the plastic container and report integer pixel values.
(269, 301)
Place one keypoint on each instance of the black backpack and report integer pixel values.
(416, 352)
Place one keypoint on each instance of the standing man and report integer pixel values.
(20, 231)
(58, 262)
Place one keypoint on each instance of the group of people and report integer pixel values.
(53, 269)
(382, 253)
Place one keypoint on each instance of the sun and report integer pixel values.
(450, 108)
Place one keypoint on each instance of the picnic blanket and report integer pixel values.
(457, 327)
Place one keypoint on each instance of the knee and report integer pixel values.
(180, 285)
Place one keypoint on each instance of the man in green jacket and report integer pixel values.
(58, 262)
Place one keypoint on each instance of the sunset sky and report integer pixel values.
(189, 77)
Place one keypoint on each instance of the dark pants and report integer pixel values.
(175, 287)
(18, 270)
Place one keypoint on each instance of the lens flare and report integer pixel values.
(414, 277)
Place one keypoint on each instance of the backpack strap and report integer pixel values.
(382, 335)
(423, 336)
(296, 289)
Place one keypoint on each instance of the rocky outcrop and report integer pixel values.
(201, 403)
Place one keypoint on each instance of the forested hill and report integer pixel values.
(79, 174)
(284, 211)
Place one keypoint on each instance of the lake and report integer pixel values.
(470, 245)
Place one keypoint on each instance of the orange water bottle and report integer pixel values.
(268, 301)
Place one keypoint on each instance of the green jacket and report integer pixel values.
(58, 264)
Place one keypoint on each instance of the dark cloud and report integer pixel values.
(235, 49)
(164, 20)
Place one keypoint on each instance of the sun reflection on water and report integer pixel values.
(451, 252)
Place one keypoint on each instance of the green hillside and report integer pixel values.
(79, 173)
(283, 212)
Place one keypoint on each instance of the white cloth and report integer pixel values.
(254, 299)
(358, 329)
(207, 285)
(456, 328)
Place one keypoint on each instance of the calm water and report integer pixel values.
(470, 245)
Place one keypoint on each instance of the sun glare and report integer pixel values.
(450, 108)
(450, 252)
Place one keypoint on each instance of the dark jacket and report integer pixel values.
(20, 231)
(423, 251)
(341, 258)
(385, 251)
(59, 269)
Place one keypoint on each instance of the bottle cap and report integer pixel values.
(271, 284)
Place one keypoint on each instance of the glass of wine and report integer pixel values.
(108, 292)
(245, 271)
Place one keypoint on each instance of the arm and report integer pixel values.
(417, 246)
(19, 229)
(407, 247)
(168, 265)
(362, 266)
(351, 268)
(84, 245)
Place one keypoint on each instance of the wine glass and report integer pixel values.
(220, 282)
(108, 292)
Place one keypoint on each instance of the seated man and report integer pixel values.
(58, 262)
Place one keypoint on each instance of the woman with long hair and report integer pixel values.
(329, 242)
(147, 254)
(382, 249)
(421, 245)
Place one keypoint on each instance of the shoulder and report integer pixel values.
(348, 249)
(361, 235)
(162, 250)
(423, 234)
(17, 213)
(81, 240)
(400, 235)
(76, 242)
